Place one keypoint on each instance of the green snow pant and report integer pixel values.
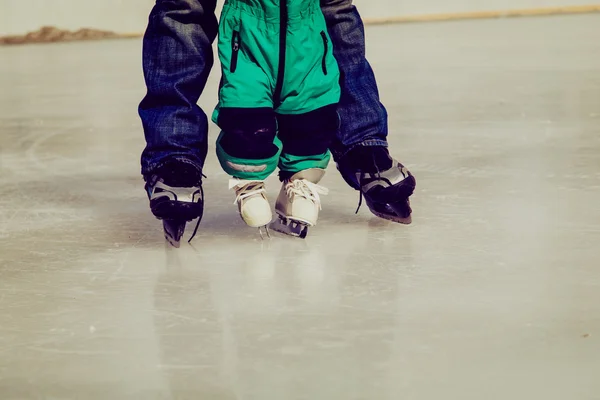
(279, 88)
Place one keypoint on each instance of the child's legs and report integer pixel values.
(307, 116)
(306, 139)
(247, 147)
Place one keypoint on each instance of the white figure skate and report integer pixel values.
(299, 203)
(253, 205)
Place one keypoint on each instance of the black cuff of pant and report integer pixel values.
(248, 133)
(310, 133)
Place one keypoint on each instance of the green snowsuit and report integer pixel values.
(279, 87)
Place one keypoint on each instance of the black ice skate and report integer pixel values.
(176, 197)
(384, 182)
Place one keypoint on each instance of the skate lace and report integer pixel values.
(306, 189)
(245, 189)
(360, 200)
(360, 180)
(199, 219)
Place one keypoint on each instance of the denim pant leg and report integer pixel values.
(363, 117)
(177, 59)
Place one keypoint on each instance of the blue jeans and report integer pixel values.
(178, 57)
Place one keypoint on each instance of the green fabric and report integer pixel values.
(246, 168)
(291, 163)
(251, 83)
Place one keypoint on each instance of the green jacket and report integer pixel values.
(257, 37)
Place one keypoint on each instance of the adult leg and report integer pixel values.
(361, 147)
(363, 116)
(177, 59)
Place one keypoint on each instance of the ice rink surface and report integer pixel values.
(492, 293)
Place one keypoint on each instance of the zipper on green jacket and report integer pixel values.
(325, 50)
(283, 17)
(235, 50)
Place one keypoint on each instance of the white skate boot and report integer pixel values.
(299, 203)
(253, 205)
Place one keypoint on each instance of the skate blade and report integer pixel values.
(172, 241)
(260, 232)
(173, 232)
(399, 212)
(394, 218)
(290, 228)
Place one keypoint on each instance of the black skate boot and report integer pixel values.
(385, 183)
(176, 197)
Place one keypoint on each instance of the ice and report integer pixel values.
(491, 293)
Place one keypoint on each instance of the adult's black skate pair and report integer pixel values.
(176, 195)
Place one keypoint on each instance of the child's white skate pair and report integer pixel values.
(297, 205)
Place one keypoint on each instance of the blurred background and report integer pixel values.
(129, 16)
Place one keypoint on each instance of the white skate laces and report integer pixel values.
(307, 190)
(246, 188)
